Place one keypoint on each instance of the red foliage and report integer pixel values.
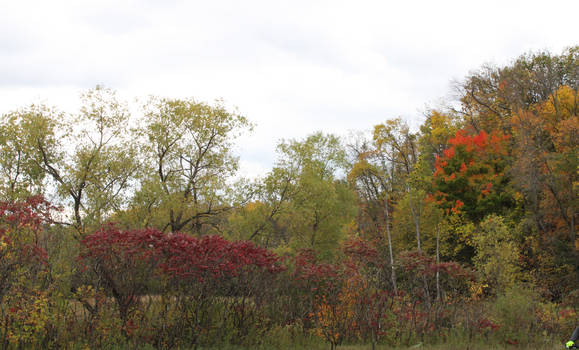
(32, 212)
(126, 262)
(470, 175)
(415, 261)
(313, 276)
(472, 143)
(419, 264)
(475, 145)
(179, 255)
(362, 251)
(109, 241)
(214, 257)
(28, 216)
(484, 324)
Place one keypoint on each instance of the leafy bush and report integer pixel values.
(515, 311)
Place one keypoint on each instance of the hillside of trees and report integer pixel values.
(132, 229)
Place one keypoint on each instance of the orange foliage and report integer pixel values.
(469, 171)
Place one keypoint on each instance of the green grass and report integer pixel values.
(325, 346)
(549, 346)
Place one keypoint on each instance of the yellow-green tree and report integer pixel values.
(187, 160)
(87, 157)
(497, 254)
(302, 202)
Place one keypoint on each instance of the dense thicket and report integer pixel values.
(126, 229)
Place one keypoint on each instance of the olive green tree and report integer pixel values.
(188, 159)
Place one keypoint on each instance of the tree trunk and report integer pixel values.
(437, 262)
(416, 219)
(387, 216)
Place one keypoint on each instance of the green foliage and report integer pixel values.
(427, 213)
(497, 254)
(187, 160)
(515, 311)
(87, 156)
(471, 176)
(457, 239)
(301, 202)
(21, 174)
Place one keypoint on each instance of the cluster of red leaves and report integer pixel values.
(479, 143)
(474, 145)
(110, 244)
(468, 170)
(375, 307)
(419, 263)
(567, 313)
(20, 226)
(363, 251)
(415, 261)
(314, 276)
(455, 270)
(31, 214)
(110, 239)
(177, 255)
(484, 324)
(214, 257)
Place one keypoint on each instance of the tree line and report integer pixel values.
(115, 224)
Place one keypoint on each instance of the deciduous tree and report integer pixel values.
(188, 157)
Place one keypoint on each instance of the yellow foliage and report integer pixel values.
(27, 317)
(336, 319)
(477, 290)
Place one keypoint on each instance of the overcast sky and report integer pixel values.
(292, 67)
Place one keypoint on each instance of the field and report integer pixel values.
(547, 346)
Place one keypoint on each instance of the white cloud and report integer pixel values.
(292, 67)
